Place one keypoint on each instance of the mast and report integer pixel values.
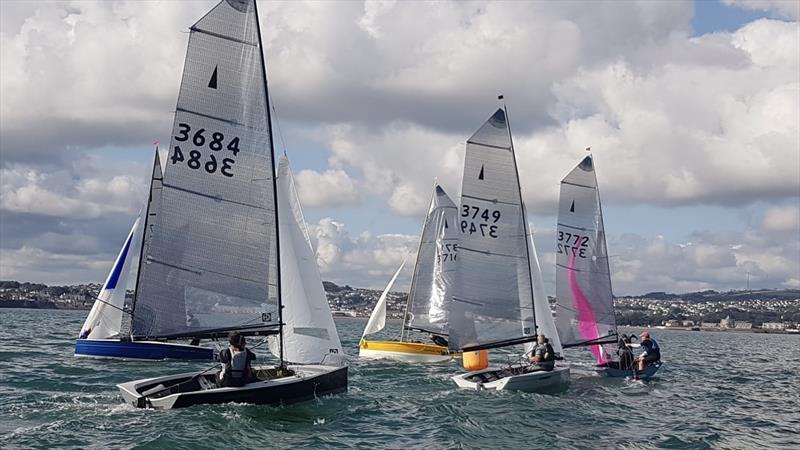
(605, 241)
(524, 213)
(144, 235)
(416, 263)
(274, 183)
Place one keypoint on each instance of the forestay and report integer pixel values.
(585, 306)
(492, 300)
(432, 282)
(309, 333)
(105, 318)
(211, 263)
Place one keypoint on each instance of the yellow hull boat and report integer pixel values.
(404, 351)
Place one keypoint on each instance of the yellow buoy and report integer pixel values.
(478, 360)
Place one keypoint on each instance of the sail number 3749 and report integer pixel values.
(201, 138)
(484, 218)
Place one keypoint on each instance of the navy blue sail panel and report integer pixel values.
(211, 261)
(113, 279)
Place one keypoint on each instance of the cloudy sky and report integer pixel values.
(692, 111)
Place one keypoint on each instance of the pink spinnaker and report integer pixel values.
(587, 324)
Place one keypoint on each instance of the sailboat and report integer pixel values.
(428, 299)
(106, 331)
(229, 250)
(312, 363)
(495, 302)
(585, 304)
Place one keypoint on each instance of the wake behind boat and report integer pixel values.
(230, 250)
(498, 299)
(585, 304)
(428, 299)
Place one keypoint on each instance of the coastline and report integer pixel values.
(27, 304)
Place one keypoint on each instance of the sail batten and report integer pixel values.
(585, 304)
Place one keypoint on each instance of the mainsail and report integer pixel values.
(105, 319)
(309, 333)
(493, 300)
(585, 306)
(211, 263)
(432, 282)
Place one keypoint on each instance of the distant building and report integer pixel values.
(773, 325)
(672, 323)
(726, 322)
(743, 325)
(688, 323)
(709, 325)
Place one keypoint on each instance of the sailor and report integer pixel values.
(625, 354)
(543, 354)
(650, 351)
(236, 369)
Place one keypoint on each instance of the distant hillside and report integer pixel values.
(714, 296)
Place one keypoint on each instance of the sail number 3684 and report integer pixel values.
(200, 138)
(572, 244)
(484, 217)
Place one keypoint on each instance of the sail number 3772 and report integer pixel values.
(200, 138)
(572, 244)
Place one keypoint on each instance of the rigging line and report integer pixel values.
(98, 299)
(278, 124)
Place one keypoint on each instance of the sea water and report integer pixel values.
(716, 390)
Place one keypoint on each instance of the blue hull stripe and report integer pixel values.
(102, 348)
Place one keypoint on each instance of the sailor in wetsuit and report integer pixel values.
(543, 354)
(236, 369)
(651, 353)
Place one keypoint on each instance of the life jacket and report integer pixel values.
(238, 363)
(545, 351)
(235, 370)
(651, 347)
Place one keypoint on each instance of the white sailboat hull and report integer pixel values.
(498, 379)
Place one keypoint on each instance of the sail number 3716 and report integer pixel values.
(484, 218)
(201, 139)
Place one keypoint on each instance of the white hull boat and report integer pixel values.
(520, 378)
(303, 382)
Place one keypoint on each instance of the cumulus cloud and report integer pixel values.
(677, 120)
(782, 218)
(392, 90)
(330, 188)
(786, 8)
(61, 194)
(365, 260)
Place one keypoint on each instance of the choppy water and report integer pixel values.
(713, 392)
